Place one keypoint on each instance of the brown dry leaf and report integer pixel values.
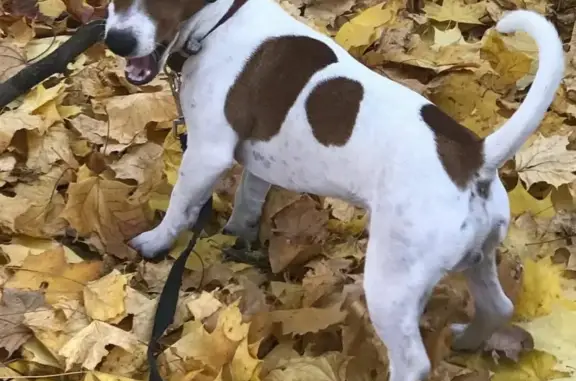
(11, 60)
(12, 121)
(102, 207)
(94, 130)
(510, 341)
(44, 150)
(104, 298)
(547, 159)
(50, 272)
(130, 114)
(306, 320)
(88, 346)
(55, 327)
(15, 303)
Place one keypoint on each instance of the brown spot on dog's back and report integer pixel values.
(460, 150)
(270, 82)
(332, 108)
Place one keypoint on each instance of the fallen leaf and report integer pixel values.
(453, 10)
(100, 206)
(15, 303)
(329, 367)
(104, 298)
(88, 346)
(50, 272)
(547, 159)
(306, 320)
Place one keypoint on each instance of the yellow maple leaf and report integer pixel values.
(362, 30)
(51, 8)
(50, 271)
(244, 367)
(104, 298)
(533, 366)
(541, 289)
(212, 350)
(456, 10)
(21, 246)
(510, 64)
(521, 202)
(310, 319)
(555, 334)
(39, 96)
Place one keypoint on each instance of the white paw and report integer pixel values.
(151, 243)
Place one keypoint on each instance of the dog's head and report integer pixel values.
(144, 32)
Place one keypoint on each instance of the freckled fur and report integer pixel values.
(422, 223)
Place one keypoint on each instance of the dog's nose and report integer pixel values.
(121, 42)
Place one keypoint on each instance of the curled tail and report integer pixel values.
(506, 141)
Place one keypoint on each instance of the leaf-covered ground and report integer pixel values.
(87, 161)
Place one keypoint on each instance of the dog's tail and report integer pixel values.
(506, 141)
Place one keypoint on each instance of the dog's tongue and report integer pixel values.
(141, 70)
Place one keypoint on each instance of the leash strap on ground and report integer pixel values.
(169, 297)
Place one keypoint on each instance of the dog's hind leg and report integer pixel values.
(492, 307)
(203, 162)
(248, 202)
(399, 275)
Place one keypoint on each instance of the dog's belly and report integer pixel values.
(297, 165)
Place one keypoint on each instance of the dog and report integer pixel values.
(296, 110)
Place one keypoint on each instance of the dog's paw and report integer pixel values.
(151, 244)
(246, 233)
(462, 339)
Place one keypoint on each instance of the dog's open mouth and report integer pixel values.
(141, 70)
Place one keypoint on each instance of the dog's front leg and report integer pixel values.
(248, 202)
(202, 165)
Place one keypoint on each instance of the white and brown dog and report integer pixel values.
(296, 110)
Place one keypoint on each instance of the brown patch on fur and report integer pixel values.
(270, 82)
(460, 150)
(332, 108)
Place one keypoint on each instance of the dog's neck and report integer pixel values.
(203, 22)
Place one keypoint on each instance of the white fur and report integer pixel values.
(422, 225)
(136, 21)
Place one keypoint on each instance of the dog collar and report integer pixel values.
(193, 45)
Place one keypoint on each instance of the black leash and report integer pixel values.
(169, 297)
